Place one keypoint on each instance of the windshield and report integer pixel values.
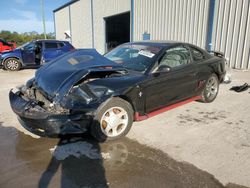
(134, 57)
(27, 46)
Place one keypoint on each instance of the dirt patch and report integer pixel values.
(201, 118)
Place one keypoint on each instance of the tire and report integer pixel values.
(113, 120)
(211, 89)
(12, 64)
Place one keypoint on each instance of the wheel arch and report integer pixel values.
(13, 57)
(127, 99)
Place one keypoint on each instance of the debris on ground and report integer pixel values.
(240, 88)
(227, 78)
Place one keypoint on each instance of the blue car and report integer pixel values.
(33, 54)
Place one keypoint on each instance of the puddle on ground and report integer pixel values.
(83, 163)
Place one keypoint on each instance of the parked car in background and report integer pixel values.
(84, 90)
(6, 46)
(34, 54)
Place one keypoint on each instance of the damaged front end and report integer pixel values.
(64, 95)
(71, 113)
(43, 117)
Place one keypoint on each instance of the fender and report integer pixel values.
(12, 56)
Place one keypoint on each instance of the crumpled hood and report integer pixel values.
(58, 76)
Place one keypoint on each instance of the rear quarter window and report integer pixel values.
(197, 54)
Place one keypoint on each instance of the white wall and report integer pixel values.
(81, 24)
(62, 23)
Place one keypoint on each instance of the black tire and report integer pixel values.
(99, 125)
(12, 64)
(211, 89)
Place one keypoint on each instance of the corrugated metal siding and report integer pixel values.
(81, 24)
(181, 20)
(62, 23)
(102, 9)
(231, 32)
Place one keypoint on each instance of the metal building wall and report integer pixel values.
(61, 23)
(231, 31)
(181, 20)
(80, 16)
(102, 9)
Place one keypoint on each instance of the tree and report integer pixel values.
(21, 38)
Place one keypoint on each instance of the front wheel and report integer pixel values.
(12, 64)
(211, 89)
(113, 120)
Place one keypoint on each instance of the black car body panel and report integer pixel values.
(66, 93)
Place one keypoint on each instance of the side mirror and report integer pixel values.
(163, 68)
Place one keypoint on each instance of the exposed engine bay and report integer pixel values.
(79, 91)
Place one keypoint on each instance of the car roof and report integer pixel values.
(49, 40)
(164, 43)
(158, 42)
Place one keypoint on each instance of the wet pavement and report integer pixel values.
(81, 162)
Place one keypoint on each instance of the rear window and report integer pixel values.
(197, 55)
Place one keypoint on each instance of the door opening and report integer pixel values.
(117, 30)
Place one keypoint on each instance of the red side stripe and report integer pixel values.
(154, 113)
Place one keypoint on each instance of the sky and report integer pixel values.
(25, 15)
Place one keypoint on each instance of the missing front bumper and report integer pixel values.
(38, 121)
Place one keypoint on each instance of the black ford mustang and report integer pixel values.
(84, 90)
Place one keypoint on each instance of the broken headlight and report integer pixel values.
(99, 91)
(85, 94)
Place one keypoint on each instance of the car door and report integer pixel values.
(177, 82)
(60, 48)
(28, 54)
(50, 51)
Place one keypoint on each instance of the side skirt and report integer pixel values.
(138, 117)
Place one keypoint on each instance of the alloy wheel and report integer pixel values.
(12, 64)
(114, 121)
(212, 88)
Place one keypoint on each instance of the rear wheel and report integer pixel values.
(12, 64)
(211, 89)
(113, 120)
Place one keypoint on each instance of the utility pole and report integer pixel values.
(43, 18)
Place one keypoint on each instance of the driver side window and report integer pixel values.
(175, 57)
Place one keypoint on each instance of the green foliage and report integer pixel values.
(23, 37)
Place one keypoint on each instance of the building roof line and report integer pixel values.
(65, 5)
